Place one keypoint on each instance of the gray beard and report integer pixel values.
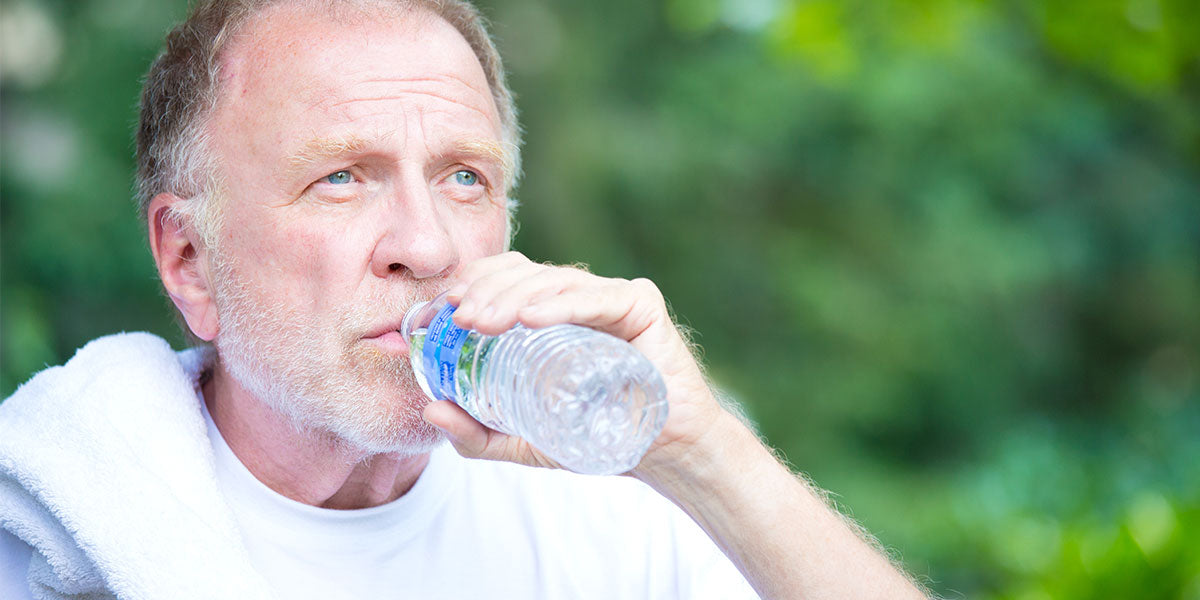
(321, 376)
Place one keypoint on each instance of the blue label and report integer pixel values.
(443, 341)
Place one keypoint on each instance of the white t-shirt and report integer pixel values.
(466, 529)
(480, 529)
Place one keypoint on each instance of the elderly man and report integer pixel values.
(308, 170)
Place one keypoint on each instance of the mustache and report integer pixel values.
(389, 304)
(239, 300)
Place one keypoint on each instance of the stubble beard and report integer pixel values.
(322, 376)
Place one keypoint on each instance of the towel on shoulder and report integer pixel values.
(106, 471)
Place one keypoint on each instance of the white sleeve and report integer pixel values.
(14, 567)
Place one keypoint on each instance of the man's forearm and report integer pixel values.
(780, 533)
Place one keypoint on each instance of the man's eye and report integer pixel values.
(339, 177)
(466, 177)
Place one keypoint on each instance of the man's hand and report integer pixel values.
(776, 529)
(497, 292)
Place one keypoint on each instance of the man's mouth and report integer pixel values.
(388, 339)
(387, 336)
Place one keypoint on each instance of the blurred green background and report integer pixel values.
(947, 253)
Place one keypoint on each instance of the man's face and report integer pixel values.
(362, 165)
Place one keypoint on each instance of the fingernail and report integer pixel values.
(488, 312)
(455, 292)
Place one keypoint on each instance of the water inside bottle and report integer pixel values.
(416, 344)
(586, 399)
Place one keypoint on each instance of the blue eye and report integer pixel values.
(466, 178)
(339, 177)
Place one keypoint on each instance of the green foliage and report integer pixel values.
(946, 252)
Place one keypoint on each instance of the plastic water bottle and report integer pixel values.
(586, 399)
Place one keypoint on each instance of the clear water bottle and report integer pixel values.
(586, 399)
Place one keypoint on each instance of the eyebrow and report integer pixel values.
(497, 152)
(322, 149)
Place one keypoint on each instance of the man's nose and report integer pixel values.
(417, 233)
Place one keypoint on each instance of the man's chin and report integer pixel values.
(406, 436)
(379, 408)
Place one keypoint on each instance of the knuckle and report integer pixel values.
(648, 287)
(514, 257)
(617, 288)
(483, 447)
(567, 274)
(547, 277)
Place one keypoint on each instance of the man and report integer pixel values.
(308, 170)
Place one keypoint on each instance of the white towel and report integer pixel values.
(106, 470)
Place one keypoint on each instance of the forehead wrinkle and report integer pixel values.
(457, 102)
(434, 78)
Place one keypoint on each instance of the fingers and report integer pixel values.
(472, 439)
(469, 436)
(480, 310)
(494, 303)
(495, 293)
(618, 307)
(478, 269)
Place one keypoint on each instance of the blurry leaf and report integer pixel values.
(815, 31)
(1151, 521)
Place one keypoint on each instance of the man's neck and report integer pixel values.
(306, 466)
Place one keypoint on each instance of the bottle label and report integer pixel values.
(443, 341)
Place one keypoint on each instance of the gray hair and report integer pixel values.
(182, 87)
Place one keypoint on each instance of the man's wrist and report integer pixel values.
(726, 454)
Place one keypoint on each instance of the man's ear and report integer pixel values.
(179, 255)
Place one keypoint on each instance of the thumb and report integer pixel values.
(469, 437)
(474, 440)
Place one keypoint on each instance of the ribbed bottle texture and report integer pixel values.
(586, 399)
